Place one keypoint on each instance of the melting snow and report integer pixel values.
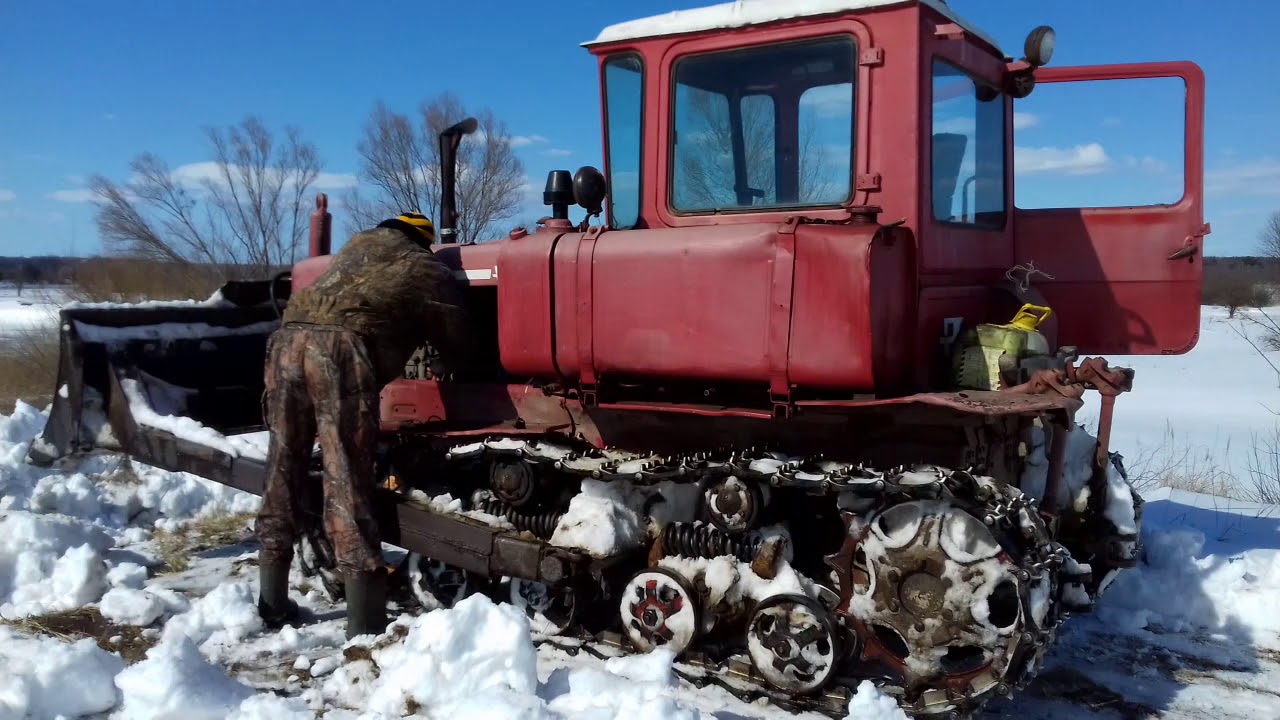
(751, 12)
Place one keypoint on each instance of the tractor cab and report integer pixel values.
(898, 112)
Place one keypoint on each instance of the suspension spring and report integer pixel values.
(543, 524)
(706, 541)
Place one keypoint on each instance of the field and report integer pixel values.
(128, 592)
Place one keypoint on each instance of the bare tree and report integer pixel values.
(705, 152)
(400, 167)
(248, 206)
(1269, 238)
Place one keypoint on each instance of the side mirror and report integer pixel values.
(589, 190)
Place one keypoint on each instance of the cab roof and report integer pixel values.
(743, 13)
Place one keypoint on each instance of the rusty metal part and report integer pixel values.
(765, 564)
(921, 597)
(794, 643)
(511, 481)
(907, 577)
(705, 541)
(734, 504)
(550, 611)
(660, 609)
(436, 584)
(541, 524)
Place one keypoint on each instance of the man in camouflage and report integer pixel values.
(342, 339)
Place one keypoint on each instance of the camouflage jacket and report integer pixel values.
(394, 294)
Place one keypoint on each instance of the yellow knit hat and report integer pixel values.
(415, 221)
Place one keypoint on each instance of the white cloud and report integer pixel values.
(78, 195)
(1258, 178)
(1078, 160)
(966, 125)
(519, 141)
(7, 196)
(1022, 120)
(557, 152)
(829, 101)
(195, 175)
(1146, 163)
(334, 181)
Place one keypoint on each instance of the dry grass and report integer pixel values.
(123, 474)
(129, 280)
(175, 548)
(73, 625)
(1178, 465)
(28, 368)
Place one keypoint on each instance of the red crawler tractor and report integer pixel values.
(770, 410)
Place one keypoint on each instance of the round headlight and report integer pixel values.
(1039, 45)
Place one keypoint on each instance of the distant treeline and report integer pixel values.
(123, 279)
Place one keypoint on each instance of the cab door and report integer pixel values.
(1122, 278)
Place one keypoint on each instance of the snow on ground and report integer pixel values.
(1213, 403)
(33, 308)
(1190, 633)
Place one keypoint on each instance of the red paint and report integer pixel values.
(1114, 287)
(306, 271)
(321, 225)
(524, 305)
(819, 304)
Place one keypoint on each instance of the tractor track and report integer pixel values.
(1030, 555)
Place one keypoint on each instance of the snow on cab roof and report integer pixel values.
(741, 13)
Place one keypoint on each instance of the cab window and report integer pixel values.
(967, 156)
(765, 127)
(623, 100)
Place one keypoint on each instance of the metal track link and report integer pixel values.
(999, 506)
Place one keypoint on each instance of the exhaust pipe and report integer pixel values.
(449, 141)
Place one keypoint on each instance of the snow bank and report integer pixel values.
(626, 687)
(49, 564)
(1189, 580)
(218, 621)
(473, 660)
(175, 682)
(47, 678)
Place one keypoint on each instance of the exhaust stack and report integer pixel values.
(449, 141)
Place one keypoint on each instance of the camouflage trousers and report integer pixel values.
(320, 384)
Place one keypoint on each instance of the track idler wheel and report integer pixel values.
(436, 584)
(733, 504)
(794, 643)
(550, 611)
(660, 609)
(512, 482)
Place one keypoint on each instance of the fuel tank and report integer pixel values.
(822, 306)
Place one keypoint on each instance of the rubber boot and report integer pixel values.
(274, 605)
(366, 595)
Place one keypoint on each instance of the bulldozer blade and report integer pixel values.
(152, 381)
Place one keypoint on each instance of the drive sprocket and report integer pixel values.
(953, 594)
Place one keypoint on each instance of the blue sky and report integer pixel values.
(86, 87)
